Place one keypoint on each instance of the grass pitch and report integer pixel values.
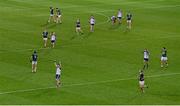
(99, 67)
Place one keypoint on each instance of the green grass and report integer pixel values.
(108, 54)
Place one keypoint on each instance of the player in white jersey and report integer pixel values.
(92, 23)
(53, 39)
(119, 16)
(146, 59)
(58, 73)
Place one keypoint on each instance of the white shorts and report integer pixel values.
(78, 28)
(128, 21)
(59, 16)
(164, 58)
(34, 62)
(51, 15)
(45, 39)
(141, 83)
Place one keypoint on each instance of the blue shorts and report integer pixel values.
(52, 41)
(146, 59)
(57, 76)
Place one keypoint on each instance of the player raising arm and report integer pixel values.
(58, 73)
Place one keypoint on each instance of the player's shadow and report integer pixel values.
(114, 27)
(88, 35)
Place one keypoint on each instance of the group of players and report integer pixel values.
(120, 17)
(56, 17)
(164, 64)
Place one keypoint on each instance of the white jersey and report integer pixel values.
(146, 54)
(53, 37)
(58, 70)
(92, 21)
(119, 14)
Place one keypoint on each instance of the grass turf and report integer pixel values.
(92, 63)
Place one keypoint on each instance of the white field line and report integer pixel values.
(88, 83)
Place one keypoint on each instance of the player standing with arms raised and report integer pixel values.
(92, 23)
(34, 58)
(146, 59)
(164, 59)
(58, 73)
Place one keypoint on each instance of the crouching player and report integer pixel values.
(164, 59)
(34, 58)
(58, 73)
(142, 82)
(113, 20)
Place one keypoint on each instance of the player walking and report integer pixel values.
(58, 13)
(45, 37)
(164, 59)
(146, 59)
(34, 58)
(53, 39)
(51, 15)
(58, 73)
(78, 27)
(119, 16)
(92, 23)
(129, 20)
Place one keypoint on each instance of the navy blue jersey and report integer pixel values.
(141, 77)
(45, 34)
(34, 57)
(78, 24)
(164, 53)
(129, 16)
(51, 11)
(58, 12)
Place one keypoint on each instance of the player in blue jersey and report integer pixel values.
(164, 59)
(58, 73)
(129, 20)
(78, 27)
(45, 37)
(146, 59)
(58, 16)
(34, 59)
(51, 17)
